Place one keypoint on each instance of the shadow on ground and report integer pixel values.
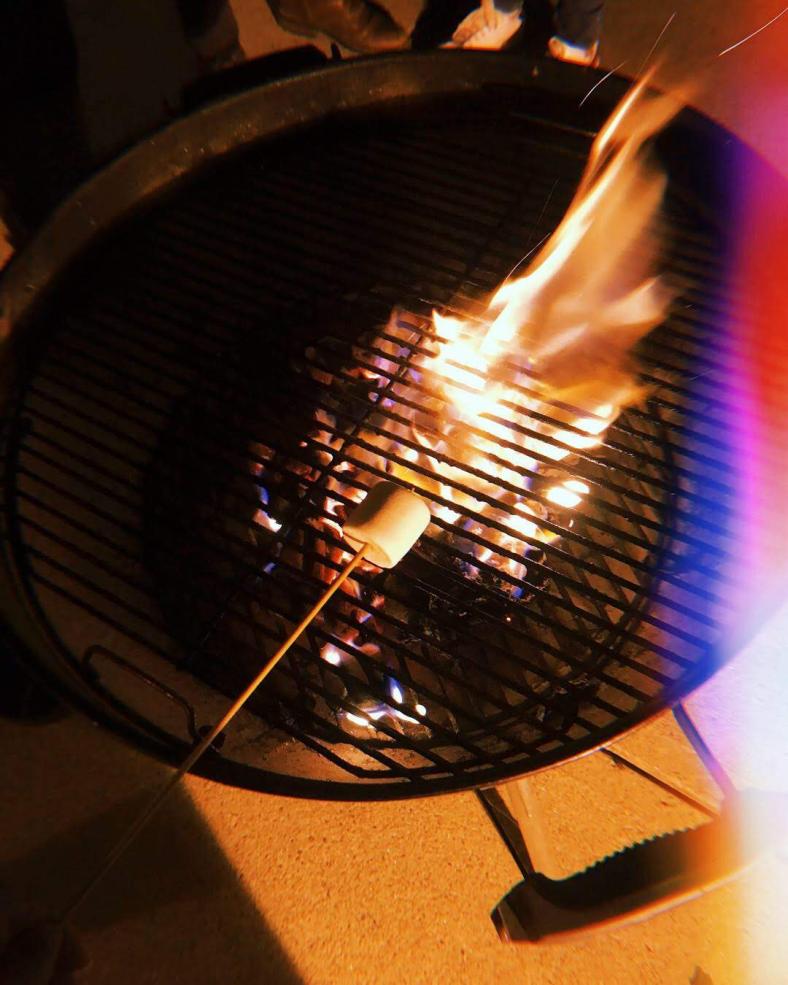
(175, 877)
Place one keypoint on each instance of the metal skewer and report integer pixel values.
(160, 796)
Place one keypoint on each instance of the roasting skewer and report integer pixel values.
(381, 529)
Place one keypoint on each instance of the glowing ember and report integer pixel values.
(331, 655)
(262, 517)
(569, 494)
(377, 712)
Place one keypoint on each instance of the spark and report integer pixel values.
(533, 230)
(659, 38)
(596, 85)
(763, 28)
(522, 260)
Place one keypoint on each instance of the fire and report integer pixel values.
(546, 370)
(569, 494)
(479, 413)
(331, 655)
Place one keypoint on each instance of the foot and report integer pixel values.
(360, 25)
(486, 28)
(577, 55)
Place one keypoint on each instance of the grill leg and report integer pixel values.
(507, 827)
(514, 812)
(645, 878)
(712, 765)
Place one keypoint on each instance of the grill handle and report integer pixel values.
(641, 880)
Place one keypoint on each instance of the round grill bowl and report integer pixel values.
(180, 322)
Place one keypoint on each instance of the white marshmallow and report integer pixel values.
(389, 521)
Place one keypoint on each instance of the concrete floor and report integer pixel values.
(228, 886)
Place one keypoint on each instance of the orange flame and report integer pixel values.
(485, 402)
(556, 341)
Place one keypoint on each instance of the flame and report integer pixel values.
(262, 517)
(546, 369)
(474, 413)
(569, 494)
(372, 712)
(331, 655)
(358, 719)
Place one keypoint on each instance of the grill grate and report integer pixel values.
(178, 383)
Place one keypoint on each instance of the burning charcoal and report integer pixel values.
(295, 716)
(328, 353)
(584, 687)
(425, 628)
(561, 713)
(564, 702)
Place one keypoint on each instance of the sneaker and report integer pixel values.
(486, 28)
(573, 53)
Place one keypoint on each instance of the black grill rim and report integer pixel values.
(158, 166)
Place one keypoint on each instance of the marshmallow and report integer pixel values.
(389, 521)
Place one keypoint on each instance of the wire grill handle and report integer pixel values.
(639, 881)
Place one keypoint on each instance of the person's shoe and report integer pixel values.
(565, 52)
(486, 28)
(360, 25)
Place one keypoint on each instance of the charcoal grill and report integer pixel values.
(177, 325)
